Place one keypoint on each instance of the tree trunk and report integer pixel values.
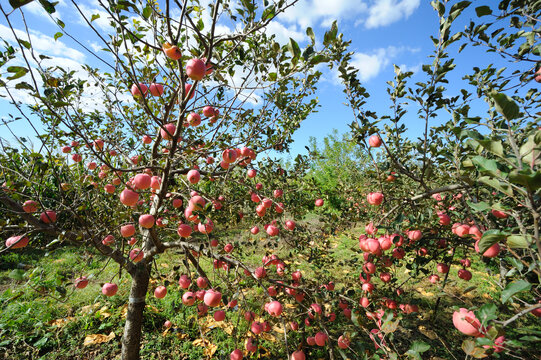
(131, 340)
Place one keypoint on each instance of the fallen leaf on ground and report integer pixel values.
(428, 333)
(98, 339)
(104, 313)
(90, 308)
(61, 322)
(210, 348)
(267, 336)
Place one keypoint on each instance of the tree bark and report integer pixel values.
(131, 340)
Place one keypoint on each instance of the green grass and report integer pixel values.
(33, 298)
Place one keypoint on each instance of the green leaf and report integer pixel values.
(519, 241)
(494, 146)
(25, 43)
(330, 35)
(530, 150)
(486, 165)
(483, 11)
(18, 72)
(498, 185)
(505, 105)
(24, 86)
(487, 313)
(269, 13)
(468, 346)
(311, 35)
(294, 49)
(490, 238)
(147, 11)
(514, 288)
(16, 274)
(18, 3)
(439, 7)
(41, 342)
(478, 207)
(94, 17)
(48, 6)
(417, 348)
(355, 318)
(531, 338)
(526, 177)
(58, 35)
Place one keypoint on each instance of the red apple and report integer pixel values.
(196, 69)
(48, 216)
(374, 141)
(464, 274)
(167, 131)
(194, 119)
(290, 225)
(140, 90)
(193, 176)
(127, 230)
(375, 198)
(202, 282)
(321, 338)
(136, 255)
(160, 292)
(129, 197)
(17, 242)
(219, 315)
(109, 289)
(272, 230)
(109, 188)
(172, 52)
(187, 88)
(147, 139)
(275, 308)
(212, 298)
(108, 240)
(184, 281)
(229, 155)
(499, 214)
(146, 221)
(156, 89)
(236, 355)
(142, 181)
(81, 282)
(466, 322)
(442, 268)
(188, 298)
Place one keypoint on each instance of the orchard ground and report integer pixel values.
(34, 323)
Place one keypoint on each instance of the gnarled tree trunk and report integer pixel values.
(131, 340)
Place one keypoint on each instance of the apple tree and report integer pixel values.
(469, 183)
(158, 148)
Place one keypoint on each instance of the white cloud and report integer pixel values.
(385, 12)
(42, 43)
(62, 56)
(371, 64)
(36, 9)
(283, 33)
(102, 22)
(310, 12)
(371, 13)
(413, 68)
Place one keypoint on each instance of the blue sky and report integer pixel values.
(383, 33)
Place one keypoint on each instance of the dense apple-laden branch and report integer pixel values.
(71, 236)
